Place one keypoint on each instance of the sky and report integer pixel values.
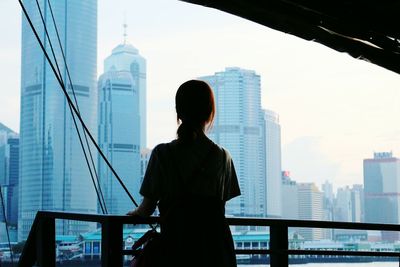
(334, 110)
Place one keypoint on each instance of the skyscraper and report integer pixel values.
(290, 197)
(238, 126)
(310, 208)
(9, 173)
(382, 190)
(119, 131)
(125, 57)
(53, 172)
(272, 149)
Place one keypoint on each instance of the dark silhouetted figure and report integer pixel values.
(190, 179)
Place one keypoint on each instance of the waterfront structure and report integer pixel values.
(310, 208)
(9, 173)
(238, 127)
(119, 137)
(290, 197)
(53, 171)
(382, 190)
(126, 57)
(272, 150)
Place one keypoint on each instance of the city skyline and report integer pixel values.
(331, 106)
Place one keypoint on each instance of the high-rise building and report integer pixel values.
(310, 208)
(9, 173)
(382, 190)
(119, 136)
(327, 190)
(53, 172)
(357, 199)
(125, 57)
(273, 169)
(343, 205)
(290, 197)
(238, 127)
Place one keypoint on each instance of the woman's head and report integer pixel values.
(195, 108)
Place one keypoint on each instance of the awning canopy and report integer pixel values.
(365, 29)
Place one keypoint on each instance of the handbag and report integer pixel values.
(147, 250)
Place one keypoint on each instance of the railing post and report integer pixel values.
(46, 242)
(111, 244)
(279, 245)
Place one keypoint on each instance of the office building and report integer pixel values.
(9, 173)
(119, 136)
(290, 197)
(272, 150)
(343, 205)
(53, 171)
(382, 191)
(238, 127)
(125, 57)
(310, 208)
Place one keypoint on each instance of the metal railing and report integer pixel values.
(40, 247)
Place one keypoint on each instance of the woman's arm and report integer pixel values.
(145, 209)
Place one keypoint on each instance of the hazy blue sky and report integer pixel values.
(334, 110)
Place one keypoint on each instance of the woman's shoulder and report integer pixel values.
(221, 150)
(163, 148)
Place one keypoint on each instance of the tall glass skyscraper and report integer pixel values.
(126, 57)
(238, 127)
(273, 169)
(53, 172)
(119, 129)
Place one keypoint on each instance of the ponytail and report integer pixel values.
(188, 131)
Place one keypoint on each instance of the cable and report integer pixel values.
(6, 223)
(72, 105)
(76, 102)
(72, 114)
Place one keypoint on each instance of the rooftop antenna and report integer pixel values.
(125, 27)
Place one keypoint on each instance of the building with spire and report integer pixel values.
(125, 57)
(121, 88)
(53, 170)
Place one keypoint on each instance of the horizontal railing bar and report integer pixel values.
(242, 221)
(343, 253)
(122, 219)
(246, 221)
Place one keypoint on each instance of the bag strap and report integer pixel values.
(144, 238)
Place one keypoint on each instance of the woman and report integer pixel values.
(190, 179)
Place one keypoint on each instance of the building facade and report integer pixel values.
(53, 172)
(290, 197)
(119, 139)
(125, 57)
(310, 208)
(9, 174)
(273, 169)
(238, 127)
(382, 190)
